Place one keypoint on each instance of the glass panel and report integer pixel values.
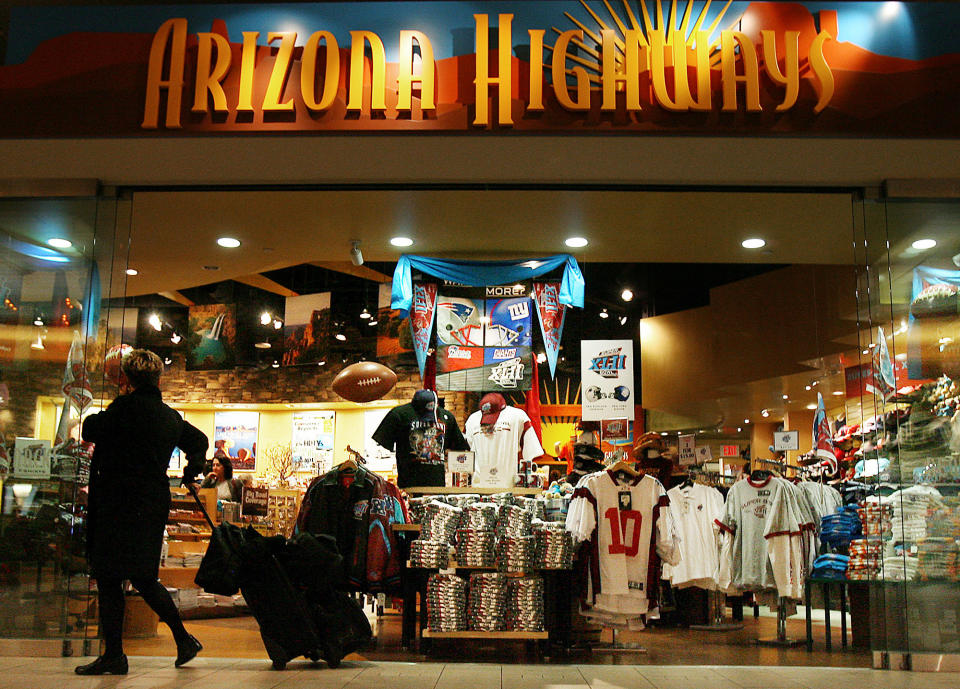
(56, 256)
(918, 446)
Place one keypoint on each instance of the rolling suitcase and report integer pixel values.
(286, 625)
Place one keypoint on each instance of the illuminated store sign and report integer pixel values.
(655, 53)
(549, 66)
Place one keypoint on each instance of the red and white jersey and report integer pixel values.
(500, 446)
(630, 528)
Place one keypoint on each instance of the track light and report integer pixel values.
(175, 338)
(341, 337)
(364, 314)
(277, 324)
(356, 256)
(604, 314)
(275, 364)
(155, 322)
(265, 318)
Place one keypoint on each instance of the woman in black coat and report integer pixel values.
(129, 502)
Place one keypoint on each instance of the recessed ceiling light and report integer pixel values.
(811, 406)
(262, 345)
(576, 242)
(663, 432)
(786, 397)
(401, 241)
(604, 314)
(753, 243)
(60, 243)
(132, 271)
(746, 420)
(626, 294)
(265, 318)
(341, 337)
(228, 242)
(924, 244)
(837, 392)
(807, 388)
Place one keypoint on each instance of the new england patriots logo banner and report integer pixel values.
(421, 319)
(551, 314)
(822, 438)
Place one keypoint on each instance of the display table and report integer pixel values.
(468, 490)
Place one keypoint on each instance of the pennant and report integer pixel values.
(532, 401)
(551, 314)
(76, 383)
(883, 382)
(422, 313)
(822, 440)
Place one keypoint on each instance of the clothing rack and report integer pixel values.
(776, 463)
(716, 624)
(781, 640)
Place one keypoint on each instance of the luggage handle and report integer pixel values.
(203, 508)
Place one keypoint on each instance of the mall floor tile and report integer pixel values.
(233, 673)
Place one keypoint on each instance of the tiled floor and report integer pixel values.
(232, 673)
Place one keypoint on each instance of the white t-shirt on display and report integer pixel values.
(499, 447)
(695, 510)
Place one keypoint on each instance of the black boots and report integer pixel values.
(187, 650)
(117, 665)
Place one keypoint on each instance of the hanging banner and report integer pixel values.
(421, 319)
(551, 314)
(822, 438)
(484, 344)
(883, 381)
(606, 372)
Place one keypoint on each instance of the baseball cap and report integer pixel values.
(491, 405)
(425, 404)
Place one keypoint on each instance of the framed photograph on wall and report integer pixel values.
(235, 433)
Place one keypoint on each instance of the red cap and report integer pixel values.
(491, 405)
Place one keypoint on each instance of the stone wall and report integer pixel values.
(300, 384)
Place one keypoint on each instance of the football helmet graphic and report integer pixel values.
(594, 393)
(458, 322)
(621, 393)
(510, 322)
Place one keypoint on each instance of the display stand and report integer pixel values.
(715, 603)
(616, 646)
(781, 641)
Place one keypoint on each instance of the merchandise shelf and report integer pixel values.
(526, 636)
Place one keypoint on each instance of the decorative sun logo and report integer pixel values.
(654, 27)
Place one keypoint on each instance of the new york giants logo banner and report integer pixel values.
(606, 374)
(421, 319)
(551, 314)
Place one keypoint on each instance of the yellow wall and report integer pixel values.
(276, 426)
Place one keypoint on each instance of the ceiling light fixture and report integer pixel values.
(663, 432)
(356, 256)
(786, 397)
(60, 243)
(902, 356)
(132, 271)
(626, 294)
(576, 242)
(746, 420)
(372, 321)
(364, 314)
(265, 318)
(623, 320)
(38, 321)
(811, 406)
(807, 388)
(155, 322)
(322, 363)
(275, 364)
(765, 413)
(924, 244)
(228, 242)
(837, 393)
(262, 345)
(541, 357)
(401, 241)
(167, 360)
(604, 314)
(38, 344)
(277, 324)
(739, 430)
(341, 337)
(753, 243)
(175, 338)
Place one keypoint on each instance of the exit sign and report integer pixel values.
(730, 450)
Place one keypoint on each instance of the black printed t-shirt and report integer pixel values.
(420, 445)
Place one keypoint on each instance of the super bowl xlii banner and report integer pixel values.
(484, 335)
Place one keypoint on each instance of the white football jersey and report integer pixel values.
(629, 528)
(499, 447)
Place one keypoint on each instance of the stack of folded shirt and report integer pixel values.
(865, 559)
(900, 568)
(943, 520)
(876, 519)
(841, 527)
(938, 558)
(830, 566)
(440, 522)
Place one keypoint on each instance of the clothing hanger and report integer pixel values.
(625, 467)
(353, 461)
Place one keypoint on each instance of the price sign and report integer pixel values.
(460, 462)
(687, 449)
(255, 501)
(786, 440)
(31, 458)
